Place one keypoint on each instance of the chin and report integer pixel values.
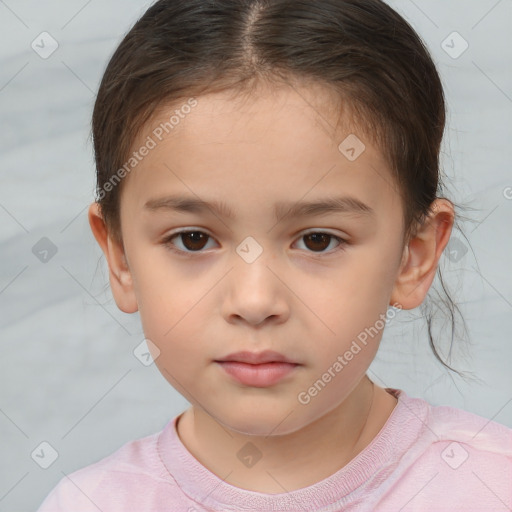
(262, 424)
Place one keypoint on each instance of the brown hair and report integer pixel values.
(362, 51)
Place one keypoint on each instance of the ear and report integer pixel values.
(421, 255)
(120, 276)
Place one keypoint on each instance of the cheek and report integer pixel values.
(163, 294)
(182, 352)
(333, 380)
(353, 296)
(165, 310)
(169, 311)
(373, 271)
(353, 305)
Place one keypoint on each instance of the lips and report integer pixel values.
(258, 375)
(258, 369)
(267, 356)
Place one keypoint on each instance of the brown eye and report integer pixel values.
(319, 242)
(194, 240)
(191, 241)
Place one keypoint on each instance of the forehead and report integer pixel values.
(264, 108)
(280, 143)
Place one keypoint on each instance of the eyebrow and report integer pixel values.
(347, 204)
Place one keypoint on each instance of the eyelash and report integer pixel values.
(170, 246)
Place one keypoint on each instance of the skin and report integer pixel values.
(305, 300)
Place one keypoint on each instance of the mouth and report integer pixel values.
(257, 370)
(257, 358)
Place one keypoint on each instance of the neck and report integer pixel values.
(295, 460)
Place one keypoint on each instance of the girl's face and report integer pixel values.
(251, 281)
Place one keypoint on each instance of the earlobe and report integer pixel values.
(421, 256)
(120, 277)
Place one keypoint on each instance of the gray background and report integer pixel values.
(69, 374)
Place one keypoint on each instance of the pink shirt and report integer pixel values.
(425, 458)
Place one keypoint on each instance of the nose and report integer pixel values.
(257, 293)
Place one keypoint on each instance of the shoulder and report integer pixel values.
(483, 436)
(459, 459)
(458, 431)
(442, 424)
(114, 481)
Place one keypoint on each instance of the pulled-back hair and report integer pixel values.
(365, 54)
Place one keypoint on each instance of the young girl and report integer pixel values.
(268, 173)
